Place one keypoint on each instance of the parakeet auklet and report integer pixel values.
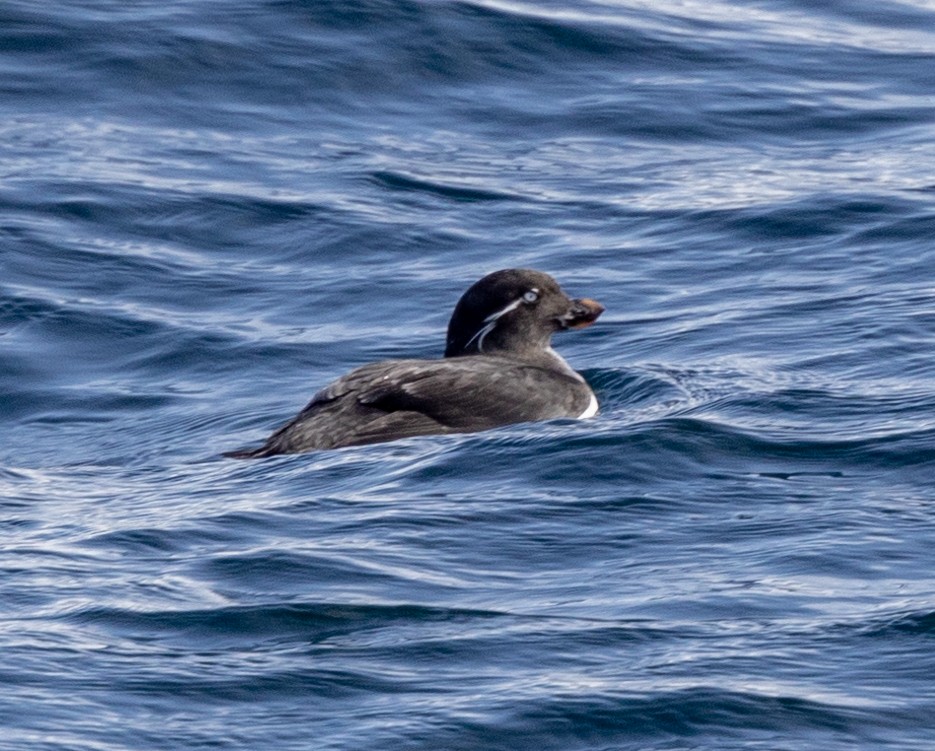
(499, 368)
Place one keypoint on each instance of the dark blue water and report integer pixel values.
(210, 209)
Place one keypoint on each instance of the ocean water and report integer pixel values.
(210, 209)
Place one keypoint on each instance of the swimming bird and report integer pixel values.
(499, 368)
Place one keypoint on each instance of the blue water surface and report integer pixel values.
(210, 209)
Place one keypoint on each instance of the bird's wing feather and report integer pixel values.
(472, 394)
(401, 398)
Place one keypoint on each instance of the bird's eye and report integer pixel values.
(531, 296)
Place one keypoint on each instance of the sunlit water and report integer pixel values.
(209, 210)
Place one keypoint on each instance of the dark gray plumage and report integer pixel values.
(499, 368)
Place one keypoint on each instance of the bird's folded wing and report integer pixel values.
(471, 394)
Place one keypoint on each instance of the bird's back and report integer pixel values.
(395, 399)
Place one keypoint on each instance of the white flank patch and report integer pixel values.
(591, 409)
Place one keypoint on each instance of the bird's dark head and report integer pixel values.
(514, 311)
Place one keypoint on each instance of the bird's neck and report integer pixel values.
(540, 357)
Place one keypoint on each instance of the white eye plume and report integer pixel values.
(490, 323)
